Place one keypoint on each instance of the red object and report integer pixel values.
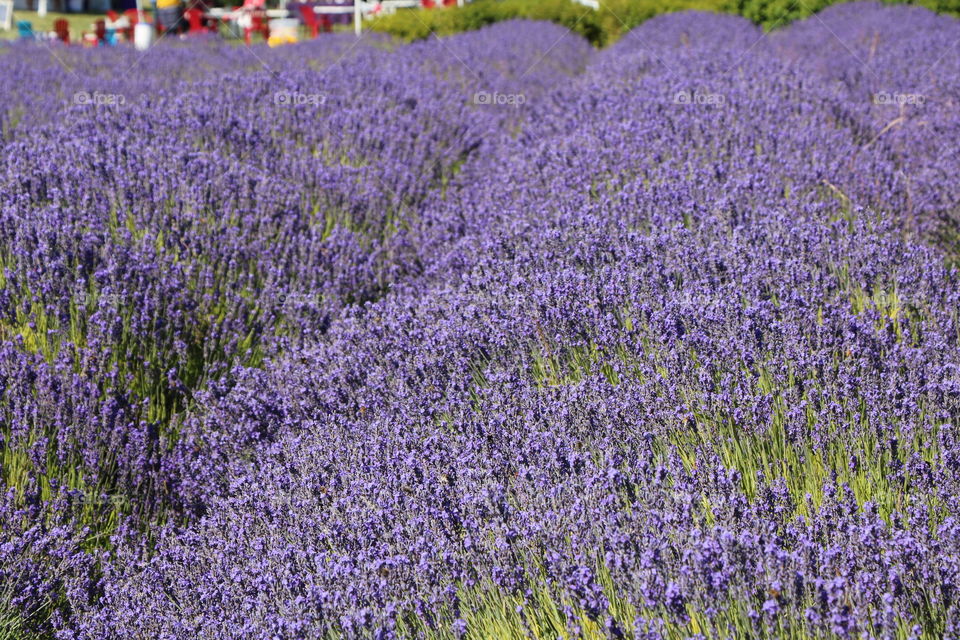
(449, 3)
(314, 22)
(258, 24)
(62, 29)
(428, 4)
(195, 21)
(99, 34)
(132, 17)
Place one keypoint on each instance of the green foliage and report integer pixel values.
(79, 22)
(614, 18)
(602, 27)
(415, 25)
(617, 17)
(774, 13)
(546, 611)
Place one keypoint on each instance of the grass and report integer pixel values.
(79, 22)
(546, 611)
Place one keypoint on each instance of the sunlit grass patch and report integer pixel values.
(546, 611)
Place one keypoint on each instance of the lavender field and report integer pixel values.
(491, 336)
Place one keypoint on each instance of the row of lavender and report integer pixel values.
(493, 336)
(171, 222)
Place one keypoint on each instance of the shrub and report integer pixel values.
(614, 18)
(774, 13)
(414, 25)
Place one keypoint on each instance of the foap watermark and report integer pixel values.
(290, 301)
(99, 99)
(85, 298)
(102, 500)
(496, 98)
(895, 98)
(299, 99)
(698, 97)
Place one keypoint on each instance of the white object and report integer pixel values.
(142, 36)
(42, 8)
(6, 14)
(390, 6)
(360, 10)
(285, 28)
(123, 22)
(334, 9)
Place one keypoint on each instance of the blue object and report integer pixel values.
(25, 30)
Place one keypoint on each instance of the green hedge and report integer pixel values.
(605, 26)
(774, 13)
(619, 16)
(414, 24)
(599, 27)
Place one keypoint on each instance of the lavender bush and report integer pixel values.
(491, 336)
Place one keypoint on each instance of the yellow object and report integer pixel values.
(276, 41)
(283, 31)
(167, 4)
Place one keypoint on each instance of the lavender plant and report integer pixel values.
(488, 336)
